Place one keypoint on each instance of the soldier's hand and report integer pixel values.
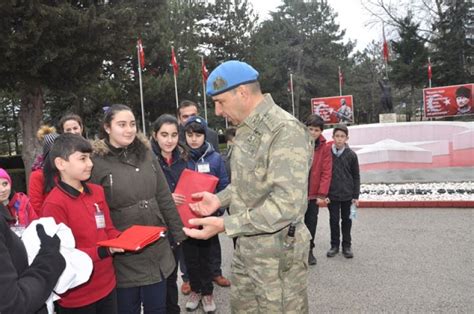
(210, 227)
(207, 203)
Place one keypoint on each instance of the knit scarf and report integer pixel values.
(197, 153)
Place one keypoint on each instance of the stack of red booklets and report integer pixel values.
(191, 182)
(135, 238)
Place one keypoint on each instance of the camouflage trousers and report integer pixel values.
(258, 283)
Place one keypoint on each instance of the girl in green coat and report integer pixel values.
(137, 194)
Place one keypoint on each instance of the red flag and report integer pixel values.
(205, 72)
(341, 77)
(429, 69)
(141, 53)
(290, 86)
(385, 46)
(174, 63)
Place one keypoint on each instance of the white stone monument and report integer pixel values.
(387, 117)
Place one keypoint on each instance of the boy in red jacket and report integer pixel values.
(82, 207)
(319, 178)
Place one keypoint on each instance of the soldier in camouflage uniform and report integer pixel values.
(267, 196)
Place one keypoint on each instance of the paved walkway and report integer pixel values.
(406, 261)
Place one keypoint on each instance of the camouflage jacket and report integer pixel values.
(270, 164)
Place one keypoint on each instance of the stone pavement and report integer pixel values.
(406, 261)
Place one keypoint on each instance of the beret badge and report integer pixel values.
(219, 83)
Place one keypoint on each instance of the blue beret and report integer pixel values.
(229, 75)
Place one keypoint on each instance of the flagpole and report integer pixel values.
(340, 83)
(175, 84)
(204, 89)
(385, 46)
(429, 64)
(176, 91)
(292, 94)
(141, 91)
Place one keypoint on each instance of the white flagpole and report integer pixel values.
(340, 83)
(292, 94)
(175, 84)
(204, 88)
(176, 91)
(431, 73)
(141, 90)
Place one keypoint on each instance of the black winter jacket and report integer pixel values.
(23, 288)
(345, 182)
(172, 172)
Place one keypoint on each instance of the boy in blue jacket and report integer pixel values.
(203, 158)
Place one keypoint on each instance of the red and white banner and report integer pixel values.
(384, 46)
(445, 101)
(204, 71)
(338, 109)
(141, 53)
(174, 62)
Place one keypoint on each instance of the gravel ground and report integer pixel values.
(406, 261)
(439, 191)
(452, 174)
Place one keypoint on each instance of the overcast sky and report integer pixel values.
(351, 16)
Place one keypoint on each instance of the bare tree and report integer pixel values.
(392, 12)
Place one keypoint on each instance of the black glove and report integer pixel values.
(47, 243)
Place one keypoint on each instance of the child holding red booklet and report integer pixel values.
(82, 207)
(203, 159)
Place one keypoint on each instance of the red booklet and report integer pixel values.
(135, 238)
(191, 182)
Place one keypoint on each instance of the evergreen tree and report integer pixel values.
(410, 59)
(58, 46)
(363, 76)
(302, 38)
(9, 129)
(452, 55)
(227, 28)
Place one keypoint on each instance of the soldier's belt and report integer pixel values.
(269, 233)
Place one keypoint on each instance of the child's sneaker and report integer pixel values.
(208, 304)
(193, 303)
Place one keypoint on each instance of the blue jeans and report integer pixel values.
(153, 298)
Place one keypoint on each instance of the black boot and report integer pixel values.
(332, 251)
(311, 259)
